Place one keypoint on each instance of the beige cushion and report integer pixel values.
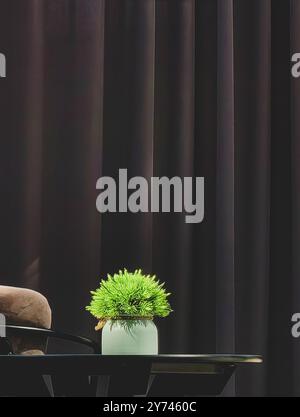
(25, 308)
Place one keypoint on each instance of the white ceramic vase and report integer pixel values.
(130, 337)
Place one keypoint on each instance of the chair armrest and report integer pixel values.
(35, 331)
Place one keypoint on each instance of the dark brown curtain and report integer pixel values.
(165, 87)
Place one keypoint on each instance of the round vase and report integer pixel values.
(130, 337)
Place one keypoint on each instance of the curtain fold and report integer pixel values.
(161, 88)
(281, 282)
(225, 276)
(128, 124)
(295, 155)
(72, 155)
(225, 279)
(174, 155)
(252, 62)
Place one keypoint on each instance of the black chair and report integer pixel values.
(5, 346)
(34, 331)
(35, 386)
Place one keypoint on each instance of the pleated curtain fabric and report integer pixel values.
(162, 88)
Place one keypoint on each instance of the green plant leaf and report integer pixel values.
(129, 294)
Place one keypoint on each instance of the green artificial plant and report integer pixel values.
(129, 295)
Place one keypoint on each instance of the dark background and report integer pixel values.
(166, 87)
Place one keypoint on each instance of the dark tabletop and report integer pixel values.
(104, 363)
(201, 358)
(132, 372)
